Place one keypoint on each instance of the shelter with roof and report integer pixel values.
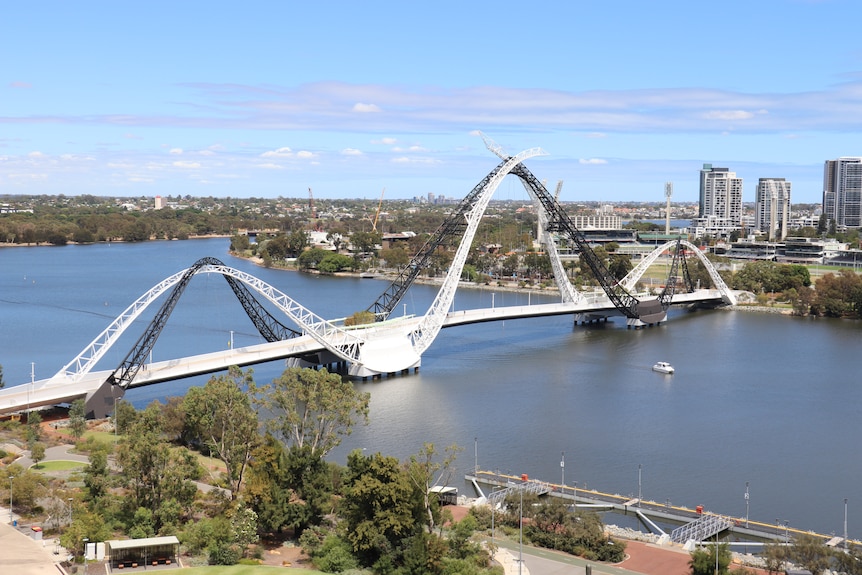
(149, 551)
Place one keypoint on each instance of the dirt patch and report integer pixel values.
(286, 557)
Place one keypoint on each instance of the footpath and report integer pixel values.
(22, 555)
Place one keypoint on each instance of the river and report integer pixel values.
(760, 398)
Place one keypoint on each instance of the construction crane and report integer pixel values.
(559, 189)
(377, 215)
(311, 205)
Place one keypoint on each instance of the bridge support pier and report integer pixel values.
(101, 403)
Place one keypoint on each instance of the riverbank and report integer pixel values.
(71, 243)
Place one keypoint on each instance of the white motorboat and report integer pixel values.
(663, 367)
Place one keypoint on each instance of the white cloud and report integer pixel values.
(351, 152)
(176, 151)
(596, 135)
(279, 153)
(36, 154)
(186, 165)
(365, 108)
(305, 154)
(270, 166)
(385, 141)
(407, 160)
(592, 161)
(728, 115)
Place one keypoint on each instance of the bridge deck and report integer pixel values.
(52, 391)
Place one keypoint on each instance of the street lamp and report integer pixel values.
(86, 539)
(521, 532)
(746, 504)
(639, 484)
(845, 499)
(476, 455)
(563, 471)
(10, 501)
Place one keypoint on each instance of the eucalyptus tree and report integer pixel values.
(312, 408)
(220, 416)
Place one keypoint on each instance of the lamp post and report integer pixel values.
(86, 540)
(10, 500)
(563, 471)
(521, 533)
(475, 455)
(746, 504)
(845, 507)
(639, 484)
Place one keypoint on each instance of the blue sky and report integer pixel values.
(267, 99)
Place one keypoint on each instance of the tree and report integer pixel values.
(288, 488)
(382, 508)
(360, 318)
(311, 258)
(77, 418)
(332, 263)
(424, 472)
(96, 474)
(27, 486)
(243, 527)
(87, 525)
(704, 562)
(125, 416)
(153, 472)
(34, 430)
(313, 408)
(37, 452)
(239, 243)
(809, 552)
(619, 265)
(396, 257)
(221, 417)
(297, 241)
(2, 383)
(364, 242)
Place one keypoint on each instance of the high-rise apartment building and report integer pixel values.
(720, 194)
(772, 207)
(720, 209)
(842, 191)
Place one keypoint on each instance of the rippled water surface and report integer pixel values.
(762, 398)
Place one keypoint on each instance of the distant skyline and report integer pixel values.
(271, 98)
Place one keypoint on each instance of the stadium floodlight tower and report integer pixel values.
(668, 192)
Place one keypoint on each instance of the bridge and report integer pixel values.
(387, 345)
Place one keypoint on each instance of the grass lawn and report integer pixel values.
(59, 465)
(247, 570)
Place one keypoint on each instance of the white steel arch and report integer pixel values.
(567, 290)
(432, 322)
(339, 341)
(634, 276)
(73, 371)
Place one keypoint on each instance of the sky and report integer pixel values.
(359, 99)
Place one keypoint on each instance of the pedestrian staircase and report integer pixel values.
(700, 529)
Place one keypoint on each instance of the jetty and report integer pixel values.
(693, 526)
